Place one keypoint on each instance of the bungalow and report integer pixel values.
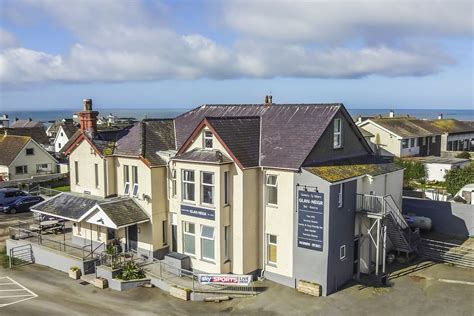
(457, 136)
(22, 157)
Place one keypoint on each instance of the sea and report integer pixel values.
(52, 115)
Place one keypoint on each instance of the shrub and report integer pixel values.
(414, 171)
(131, 271)
(456, 178)
(464, 155)
(74, 269)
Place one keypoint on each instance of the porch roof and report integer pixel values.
(66, 205)
(123, 212)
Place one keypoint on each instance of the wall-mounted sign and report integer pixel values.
(310, 220)
(198, 212)
(225, 279)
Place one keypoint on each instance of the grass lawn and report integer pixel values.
(64, 188)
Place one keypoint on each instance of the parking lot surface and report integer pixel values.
(414, 291)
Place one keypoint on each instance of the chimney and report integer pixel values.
(391, 114)
(268, 100)
(359, 119)
(88, 118)
(440, 116)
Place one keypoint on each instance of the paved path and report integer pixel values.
(12, 292)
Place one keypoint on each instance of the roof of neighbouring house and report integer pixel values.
(25, 123)
(203, 155)
(453, 126)
(407, 127)
(10, 147)
(288, 131)
(37, 133)
(365, 133)
(438, 160)
(69, 129)
(347, 168)
(123, 211)
(66, 205)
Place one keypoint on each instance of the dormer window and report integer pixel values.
(337, 133)
(208, 140)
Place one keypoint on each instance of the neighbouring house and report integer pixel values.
(37, 133)
(17, 123)
(457, 136)
(437, 167)
(403, 136)
(64, 133)
(22, 157)
(4, 121)
(54, 127)
(292, 192)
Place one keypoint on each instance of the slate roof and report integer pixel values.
(69, 129)
(289, 131)
(438, 160)
(241, 135)
(123, 212)
(203, 155)
(365, 133)
(25, 123)
(407, 127)
(347, 168)
(10, 147)
(66, 205)
(37, 133)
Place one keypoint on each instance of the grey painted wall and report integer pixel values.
(341, 232)
(324, 149)
(447, 218)
(325, 267)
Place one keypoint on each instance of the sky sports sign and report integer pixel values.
(310, 220)
(225, 279)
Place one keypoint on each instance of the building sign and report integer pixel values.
(310, 220)
(198, 212)
(225, 279)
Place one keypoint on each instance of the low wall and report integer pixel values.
(48, 257)
(448, 218)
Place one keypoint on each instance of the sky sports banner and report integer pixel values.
(310, 220)
(225, 279)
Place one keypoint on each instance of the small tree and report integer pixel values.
(464, 155)
(456, 178)
(414, 171)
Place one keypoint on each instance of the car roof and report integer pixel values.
(9, 189)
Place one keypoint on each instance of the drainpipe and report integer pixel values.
(264, 213)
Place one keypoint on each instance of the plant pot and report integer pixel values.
(101, 283)
(75, 274)
(180, 293)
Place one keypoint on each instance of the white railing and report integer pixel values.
(370, 203)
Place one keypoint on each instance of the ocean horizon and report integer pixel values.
(52, 115)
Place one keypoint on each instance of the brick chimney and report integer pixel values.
(268, 100)
(88, 118)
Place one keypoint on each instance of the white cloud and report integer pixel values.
(131, 41)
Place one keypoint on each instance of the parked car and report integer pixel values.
(22, 204)
(9, 195)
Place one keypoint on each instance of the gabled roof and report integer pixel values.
(38, 133)
(288, 131)
(10, 147)
(406, 127)
(204, 156)
(66, 205)
(347, 168)
(69, 129)
(123, 211)
(25, 123)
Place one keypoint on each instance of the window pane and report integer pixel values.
(189, 244)
(208, 178)
(208, 194)
(189, 228)
(207, 231)
(188, 175)
(272, 194)
(208, 248)
(273, 239)
(272, 180)
(188, 191)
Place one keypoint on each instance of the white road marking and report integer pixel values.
(26, 297)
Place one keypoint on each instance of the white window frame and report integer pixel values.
(184, 182)
(424, 140)
(126, 179)
(340, 196)
(173, 183)
(211, 185)
(189, 234)
(206, 138)
(76, 172)
(135, 190)
(270, 186)
(39, 167)
(79, 228)
(213, 239)
(270, 243)
(342, 252)
(126, 188)
(337, 133)
(412, 142)
(96, 175)
(164, 227)
(134, 174)
(405, 143)
(98, 232)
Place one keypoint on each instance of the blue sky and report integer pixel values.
(147, 54)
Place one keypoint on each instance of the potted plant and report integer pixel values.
(75, 273)
(101, 283)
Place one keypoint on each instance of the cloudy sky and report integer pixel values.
(139, 53)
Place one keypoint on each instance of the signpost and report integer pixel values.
(198, 212)
(225, 279)
(310, 220)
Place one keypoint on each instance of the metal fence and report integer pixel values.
(447, 252)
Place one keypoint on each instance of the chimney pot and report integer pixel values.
(270, 99)
(266, 99)
(87, 104)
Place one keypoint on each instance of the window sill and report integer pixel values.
(208, 261)
(275, 206)
(273, 265)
